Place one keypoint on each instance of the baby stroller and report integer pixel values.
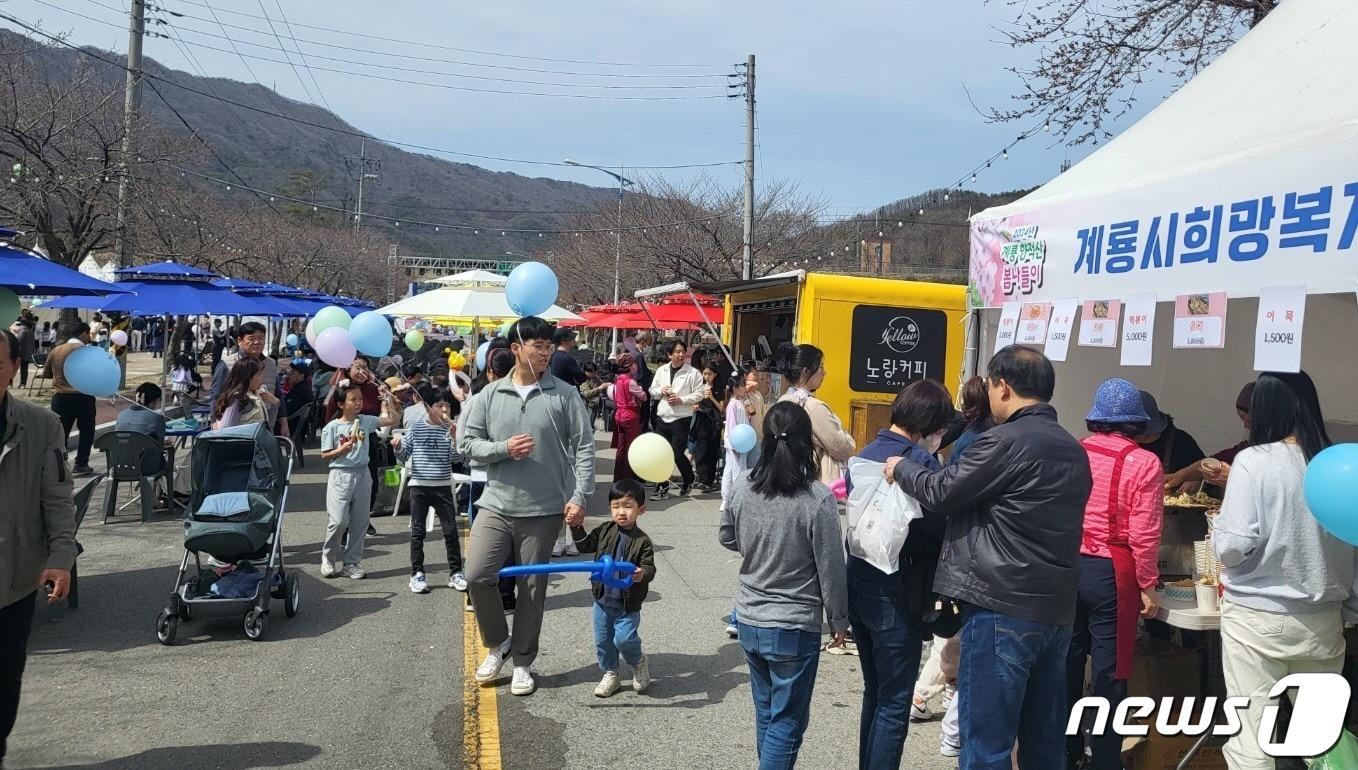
(234, 517)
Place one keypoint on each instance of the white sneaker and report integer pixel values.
(608, 685)
(523, 683)
(949, 692)
(948, 750)
(641, 675)
(490, 667)
(571, 550)
(919, 711)
(418, 585)
(353, 572)
(328, 569)
(458, 582)
(558, 548)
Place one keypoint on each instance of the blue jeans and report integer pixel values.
(616, 631)
(783, 664)
(1012, 687)
(889, 645)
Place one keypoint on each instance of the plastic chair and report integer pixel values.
(81, 499)
(39, 361)
(124, 451)
(299, 427)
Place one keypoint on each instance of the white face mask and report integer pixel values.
(931, 444)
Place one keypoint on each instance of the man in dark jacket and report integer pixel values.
(1016, 504)
(563, 364)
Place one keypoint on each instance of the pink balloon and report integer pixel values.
(334, 347)
(840, 488)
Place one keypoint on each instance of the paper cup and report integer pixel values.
(1207, 598)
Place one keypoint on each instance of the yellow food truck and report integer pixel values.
(878, 334)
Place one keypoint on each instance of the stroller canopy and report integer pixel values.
(246, 458)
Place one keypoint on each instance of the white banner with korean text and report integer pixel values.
(1261, 222)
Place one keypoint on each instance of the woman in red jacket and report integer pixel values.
(1117, 557)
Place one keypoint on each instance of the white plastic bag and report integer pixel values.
(879, 515)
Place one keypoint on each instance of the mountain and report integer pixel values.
(296, 155)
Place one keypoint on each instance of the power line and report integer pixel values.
(312, 74)
(455, 226)
(468, 50)
(286, 55)
(347, 132)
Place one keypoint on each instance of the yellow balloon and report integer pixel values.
(456, 361)
(651, 458)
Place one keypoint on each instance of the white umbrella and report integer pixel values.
(465, 304)
(472, 279)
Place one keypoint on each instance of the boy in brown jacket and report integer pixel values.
(617, 612)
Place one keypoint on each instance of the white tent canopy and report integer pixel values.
(472, 279)
(1274, 115)
(464, 305)
(1259, 150)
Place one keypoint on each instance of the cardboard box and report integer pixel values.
(1165, 673)
(1158, 752)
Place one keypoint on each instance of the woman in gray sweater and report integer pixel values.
(785, 526)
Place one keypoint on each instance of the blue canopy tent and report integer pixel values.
(169, 288)
(26, 273)
(282, 304)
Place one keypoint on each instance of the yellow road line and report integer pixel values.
(480, 712)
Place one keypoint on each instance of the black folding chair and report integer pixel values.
(124, 452)
(39, 362)
(300, 428)
(81, 499)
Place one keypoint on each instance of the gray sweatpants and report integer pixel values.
(347, 503)
(494, 537)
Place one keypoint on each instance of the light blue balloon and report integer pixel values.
(531, 289)
(481, 356)
(1332, 489)
(292, 340)
(742, 438)
(92, 371)
(371, 333)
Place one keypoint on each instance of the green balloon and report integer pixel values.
(330, 316)
(9, 306)
(414, 339)
(504, 330)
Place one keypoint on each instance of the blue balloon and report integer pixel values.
(92, 371)
(481, 356)
(292, 340)
(371, 333)
(614, 574)
(531, 289)
(741, 438)
(1332, 489)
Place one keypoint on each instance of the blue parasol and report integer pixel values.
(26, 273)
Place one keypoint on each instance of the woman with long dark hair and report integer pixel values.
(976, 413)
(243, 400)
(1118, 556)
(803, 366)
(785, 525)
(708, 417)
(1286, 578)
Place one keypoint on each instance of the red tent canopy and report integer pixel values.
(674, 311)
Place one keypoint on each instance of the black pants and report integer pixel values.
(1095, 636)
(23, 372)
(377, 461)
(16, 621)
(441, 500)
(677, 434)
(707, 449)
(76, 409)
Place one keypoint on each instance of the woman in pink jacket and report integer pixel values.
(1117, 557)
(629, 400)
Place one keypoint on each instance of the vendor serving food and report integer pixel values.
(1176, 449)
(1215, 469)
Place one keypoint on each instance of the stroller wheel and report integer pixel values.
(167, 625)
(255, 623)
(292, 596)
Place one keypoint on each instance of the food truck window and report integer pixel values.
(891, 347)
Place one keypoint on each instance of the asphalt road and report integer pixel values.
(369, 675)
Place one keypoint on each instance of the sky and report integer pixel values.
(860, 102)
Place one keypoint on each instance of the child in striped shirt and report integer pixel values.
(428, 451)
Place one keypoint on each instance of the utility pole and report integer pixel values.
(748, 270)
(136, 29)
(363, 168)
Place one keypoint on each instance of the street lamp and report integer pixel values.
(623, 183)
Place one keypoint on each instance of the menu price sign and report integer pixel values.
(1200, 320)
(1008, 329)
(1058, 330)
(1099, 323)
(1277, 333)
(1138, 330)
(1032, 324)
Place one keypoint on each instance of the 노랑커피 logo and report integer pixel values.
(901, 334)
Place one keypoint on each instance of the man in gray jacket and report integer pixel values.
(534, 436)
(37, 526)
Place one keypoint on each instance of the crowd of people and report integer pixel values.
(1034, 559)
